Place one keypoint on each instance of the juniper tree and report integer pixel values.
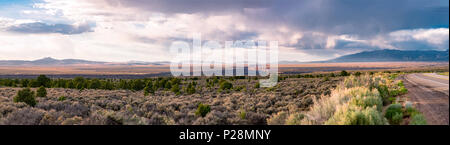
(41, 92)
(26, 96)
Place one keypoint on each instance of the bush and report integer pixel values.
(344, 73)
(41, 92)
(175, 89)
(397, 118)
(391, 99)
(358, 74)
(242, 114)
(149, 89)
(368, 101)
(418, 119)
(95, 84)
(43, 80)
(62, 98)
(410, 110)
(26, 96)
(137, 85)
(392, 110)
(384, 93)
(403, 90)
(383, 90)
(225, 85)
(202, 110)
(190, 89)
(257, 85)
(408, 105)
(350, 115)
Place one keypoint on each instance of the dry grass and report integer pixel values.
(164, 108)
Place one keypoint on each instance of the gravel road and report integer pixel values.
(430, 94)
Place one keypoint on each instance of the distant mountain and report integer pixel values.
(387, 55)
(48, 61)
(290, 62)
(147, 63)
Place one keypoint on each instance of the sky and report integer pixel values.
(143, 30)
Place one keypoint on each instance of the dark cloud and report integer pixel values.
(360, 17)
(192, 6)
(38, 27)
(364, 18)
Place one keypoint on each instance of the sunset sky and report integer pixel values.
(142, 30)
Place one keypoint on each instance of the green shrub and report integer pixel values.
(202, 110)
(41, 92)
(225, 85)
(176, 89)
(403, 90)
(42, 80)
(392, 110)
(400, 83)
(418, 119)
(397, 118)
(344, 73)
(95, 84)
(393, 76)
(356, 116)
(409, 109)
(146, 91)
(257, 85)
(149, 88)
(80, 83)
(137, 85)
(62, 98)
(384, 93)
(239, 88)
(242, 114)
(392, 99)
(368, 101)
(190, 89)
(358, 74)
(26, 96)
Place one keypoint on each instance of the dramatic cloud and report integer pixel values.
(330, 16)
(307, 30)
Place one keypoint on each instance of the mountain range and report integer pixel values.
(388, 55)
(52, 61)
(385, 55)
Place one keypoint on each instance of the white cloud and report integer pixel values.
(436, 37)
(124, 33)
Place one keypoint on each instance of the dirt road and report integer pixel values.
(430, 95)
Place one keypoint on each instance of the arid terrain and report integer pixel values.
(127, 97)
(244, 104)
(100, 69)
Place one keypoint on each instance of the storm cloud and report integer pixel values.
(364, 18)
(307, 30)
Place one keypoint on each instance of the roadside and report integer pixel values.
(430, 95)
